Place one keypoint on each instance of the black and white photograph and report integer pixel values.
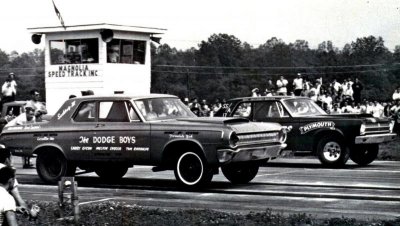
(205, 112)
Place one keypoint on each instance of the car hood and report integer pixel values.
(239, 125)
(365, 117)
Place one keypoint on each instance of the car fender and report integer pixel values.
(40, 147)
(169, 149)
(326, 132)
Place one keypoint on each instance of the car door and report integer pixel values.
(274, 111)
(119, 133)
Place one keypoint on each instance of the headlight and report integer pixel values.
(233, 140)
(362, 129)
(282, 135)
(391, 126)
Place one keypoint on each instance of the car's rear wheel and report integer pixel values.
(111, 172)
(52, 165)
(364, 154)
(332, 151)
(240, 173)
(191, 170)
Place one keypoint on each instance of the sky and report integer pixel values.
(190, 22)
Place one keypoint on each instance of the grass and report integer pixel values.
(120, 214)
(390, 150)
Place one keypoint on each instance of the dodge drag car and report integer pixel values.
(333, 138)
(108, 135)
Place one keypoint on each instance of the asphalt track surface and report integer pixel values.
(285, 186)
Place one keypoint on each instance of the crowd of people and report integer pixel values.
(334, 97)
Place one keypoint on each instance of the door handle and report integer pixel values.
(100, 125)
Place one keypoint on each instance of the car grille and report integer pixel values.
(253, 138)
(374, 128)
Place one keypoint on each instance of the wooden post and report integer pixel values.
(68, 198)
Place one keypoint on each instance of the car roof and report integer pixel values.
(124, 97)
(265, 98)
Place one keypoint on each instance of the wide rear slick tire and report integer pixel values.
(192, 171)
(51, 166)
(364, 154)
(240, 173)
(332, 151)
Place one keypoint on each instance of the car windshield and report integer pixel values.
(303, 107)
(163, 108)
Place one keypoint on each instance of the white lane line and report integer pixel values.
(101, 200)
(280, 173)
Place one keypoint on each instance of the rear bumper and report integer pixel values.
(250, 153)
(375, 139)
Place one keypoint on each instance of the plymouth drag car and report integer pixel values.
(108, 135)
(333, 138)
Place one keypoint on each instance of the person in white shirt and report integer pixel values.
(298, 85)
(336, 109)
(336, 85)
(7, 203)
(396, 94)
(255, 92)
(281, 84)
(9, 89)
(346, 108)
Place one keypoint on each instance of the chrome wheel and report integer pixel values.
(332, 151)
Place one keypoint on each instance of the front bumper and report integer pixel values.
(375, 138)
(244, 154)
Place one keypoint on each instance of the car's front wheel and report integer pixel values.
(364, 154)
(240, 173)
(332, 151)
(52, 165)
(191, 170)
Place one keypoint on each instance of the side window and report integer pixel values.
(243, 110)
(116, 111)
(132, 113)
(270, 109)
(86, 112)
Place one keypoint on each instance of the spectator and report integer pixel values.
(204, 109)
(39, 107)
(313, 93)
(186, 101)
(255, 92)
(9, 89)
(346, 108)
(336, 109)
(396, 94)
(268, 93)
(195, 106)
(357, 88)
(336, 85)
(270, 85)
(348, 93)
(7, 204)
(216, 107)
(298, 85)
(24, 118)
(5, 161)
(281, 84)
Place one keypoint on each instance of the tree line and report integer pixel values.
(225, 67)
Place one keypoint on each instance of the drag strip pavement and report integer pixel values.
(285, 186)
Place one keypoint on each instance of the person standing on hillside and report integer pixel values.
(357, 88)
(9, 89)
(281, 84)
(298, 85)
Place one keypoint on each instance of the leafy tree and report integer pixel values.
(4, 60)
(220, 50)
